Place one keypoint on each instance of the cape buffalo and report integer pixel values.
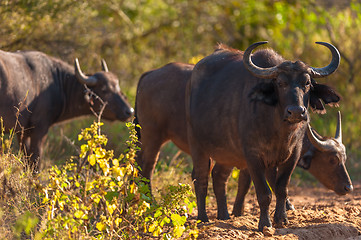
(38, 91)
(160, 111)
(252, 113)
(323, 157)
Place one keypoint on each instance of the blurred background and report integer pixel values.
(135, 36)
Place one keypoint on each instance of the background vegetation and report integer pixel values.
(135, 36)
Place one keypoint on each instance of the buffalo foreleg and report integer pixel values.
(244, 183)
(283, 177)
(264, 194)
(271, 175)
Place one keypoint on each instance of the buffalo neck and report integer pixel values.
(73, 101)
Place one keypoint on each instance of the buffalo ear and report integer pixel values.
(320, 94)
(264, 92)
(305, 160)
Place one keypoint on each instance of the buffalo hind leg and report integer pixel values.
(244, 183)
(148, 157)
(36, 148)
(200, 174)
(220, 176)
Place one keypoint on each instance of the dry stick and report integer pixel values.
(103, 104)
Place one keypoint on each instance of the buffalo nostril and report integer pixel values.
(296, 111)
(348, 188)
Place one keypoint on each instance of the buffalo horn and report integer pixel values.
(338, 134)
(104, 66)
(267, 73)
(82, 78)
(322, 145)
(335, 62)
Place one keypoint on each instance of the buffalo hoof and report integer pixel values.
(289, 205)
(280, 218)
(264, 222)
(238, 212)
(224, 216)
(280, 222)
(203, 218)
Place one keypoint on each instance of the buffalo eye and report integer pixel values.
(282, 83)
(103, 89)
(306, 81)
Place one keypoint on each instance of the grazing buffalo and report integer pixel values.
(252, 113)
(160, 111)
(323, 157)
(38, 91)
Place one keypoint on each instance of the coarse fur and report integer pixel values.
(38, 91)
(225, 123)
(160, 110)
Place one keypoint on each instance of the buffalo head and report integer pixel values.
(105, 85)
(292, 85)
(330, 167)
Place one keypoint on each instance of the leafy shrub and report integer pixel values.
(104, 197)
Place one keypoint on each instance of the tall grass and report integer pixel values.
(20, 209)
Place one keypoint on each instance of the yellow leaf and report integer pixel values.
(92, 159)
(101, 226)
(118, 221)
(195, 59)
(115, 162)
(111, 208)
(78, 214)
(178, 231)
(132, 187)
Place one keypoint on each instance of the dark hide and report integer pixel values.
(240, 120)
(326, 166)
(42, 91)
(161, 113)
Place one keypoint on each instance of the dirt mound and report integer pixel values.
(318, 214)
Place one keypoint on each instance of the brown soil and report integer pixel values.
(318, 214)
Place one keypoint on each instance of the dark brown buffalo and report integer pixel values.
(252, 113)
(323, 157)
(161, 114)
(45, 91)
(160, 111)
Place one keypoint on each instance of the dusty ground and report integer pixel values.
(318, 214)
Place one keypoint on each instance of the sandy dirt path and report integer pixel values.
(319, 214)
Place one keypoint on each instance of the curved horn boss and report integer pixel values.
(89, 81)
(267, 73)
(272, 72)
(335, 62)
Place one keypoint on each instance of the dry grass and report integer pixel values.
(20, 209)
